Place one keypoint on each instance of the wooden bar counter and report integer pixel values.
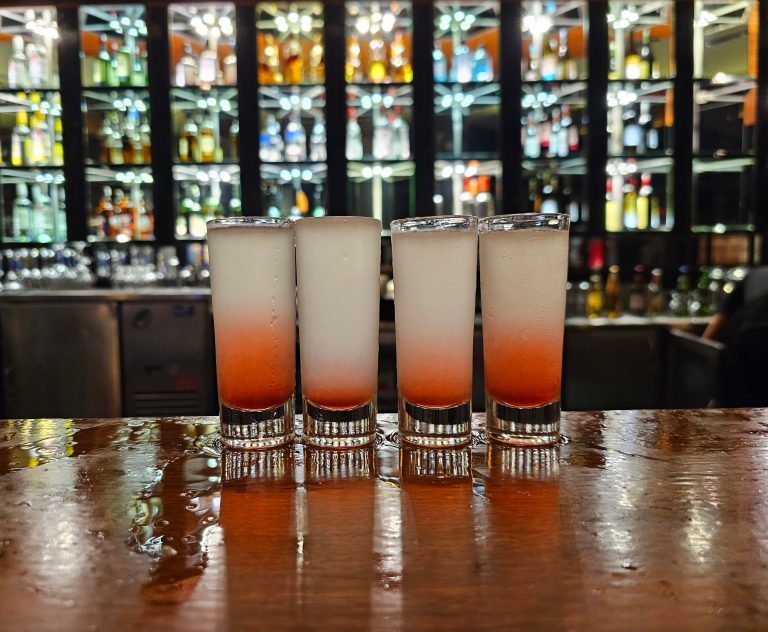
(641, 520)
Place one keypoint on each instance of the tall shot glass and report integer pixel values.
(338, 264)
(523, 271)
(253, 287)
(435, 268)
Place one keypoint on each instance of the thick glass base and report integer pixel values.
(531, 425)
(339, 428)
(428, 464)
(435, 427)
(257, 429)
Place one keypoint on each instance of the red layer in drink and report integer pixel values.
(256, 367)
(523, 370)
(437, 380)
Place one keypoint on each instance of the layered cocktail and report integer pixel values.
(523, 270)
(435, 271)
(253, 291)
(338, 260)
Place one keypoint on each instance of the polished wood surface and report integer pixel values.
(639, 521)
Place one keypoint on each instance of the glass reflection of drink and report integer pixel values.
(338, 261)
(254, 307)
(523, 268)
(435, 266)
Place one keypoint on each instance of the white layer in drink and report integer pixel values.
(338, 260)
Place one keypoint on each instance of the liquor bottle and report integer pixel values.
(613, 220)
(651, 131)
(42, 214)
(678, 300)
(317, 60)
(354, 148)
(20, 140)
(401, 137)
(114, 64)
(654, 294)
(34, 66)
(401, 68)
(207, 138)
(186, 68)
(648, 69)
(630, 203)
(634, 136)
(207, 66)
(595, 296)
(644, 202)
(377, 59)
(549, 192)
(461, 64)
(188, 140)
(212, 203)
(124, 65)
(545, 135)
(532, 146)
(318, 209)
(39, 140)
(146, 141)
(638, 300)
(138, 78)
(274, 201)
(571, 129)
(128, 140)
(534, 198)
(382, 137)
(632, 66)
(555, 134)
(353, 65)
(295, 139)
(317, 141)
(100, 69)
(482, 65)
(567, 66)
(293, 62)
(655, 213)
(549, 60)
(272, 142)
(439, 65)
(613, 293)
(613, 71)
(57, 153)
(234, 140)
(115, 144)
(235, 205)
(532, 71)
(106, 212)
(229, 69)
(18, 70)
(300, 206)
(22, 213)
(145, 222)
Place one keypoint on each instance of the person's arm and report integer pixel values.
(718, 326)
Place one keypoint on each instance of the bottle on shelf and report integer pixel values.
(40, 145)
(613, 219)
(138, 76)
(439, 65)
(317, 60)
(634, 135)
(113, 75)
(353, 65)
(567, 66)
(22, 214)
(145, 138)
(229, 69)
(317, 141)
(401, 137)
(378, 71)
(295, 139)
(107, 227)
(269, 62)
(482, 65)
(382, 136)
(101, 64)
(678, 300)
(461, 64)
(300, 207)
(354, 149)
(644, 202)
(293, 62)
(400, 66)
(186, 69)
(42, 214)
(271, 144)
(318, 209)
(654, 293)
(549, 60)
(207, 140)
(124, 54)
(613, 293)
(37, 66)
(632, 62)
(208, 66)
(638, 300)
(20, 140)
(18, 68)
(595, 295)
(235, 205)
(630, 203)
(188, 141)
(532, 144)
(648, 67)
(234, 140)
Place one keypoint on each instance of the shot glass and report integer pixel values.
(523, 270)
(253, 288)
(435, 269)
(338, 261)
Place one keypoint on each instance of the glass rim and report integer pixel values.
(434, 223)
(336, 219)
(253, 221)
(524, 221)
